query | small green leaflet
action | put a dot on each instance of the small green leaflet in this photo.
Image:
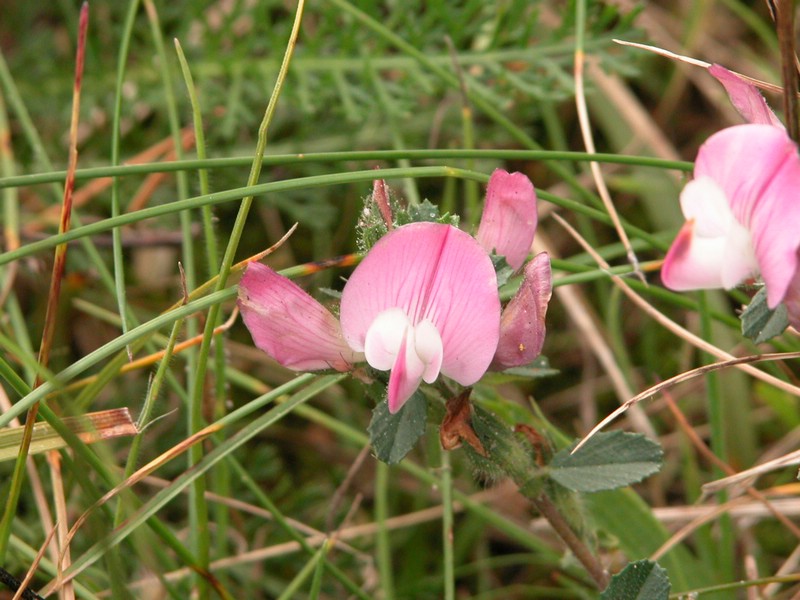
(640, 580)
(759, 322)
(393, 436)
(608, 461)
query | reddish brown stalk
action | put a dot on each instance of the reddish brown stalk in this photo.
(58, 271)
(784, 18)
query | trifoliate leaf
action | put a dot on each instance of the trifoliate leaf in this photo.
(640, 580)
(607, 461)
(759, 322)
(393, 436)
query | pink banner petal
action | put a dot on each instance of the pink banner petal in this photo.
(758, 168)
(289, 325)
(522, 327)
(430, 271)
(509, 217)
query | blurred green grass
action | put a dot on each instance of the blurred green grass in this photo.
(355, 87)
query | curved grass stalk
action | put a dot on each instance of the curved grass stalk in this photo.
(198, 513)
(50, 176)
(112, 347)
(53, 298)
(588, 138)
(116, 233)
(294, 184)
(184, 480)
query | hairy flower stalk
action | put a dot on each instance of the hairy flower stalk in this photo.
(422, 303)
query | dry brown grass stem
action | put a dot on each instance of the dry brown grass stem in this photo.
(770, 87)
(712, 513)
(597, 175)
(150, 359)
(257, 511)
(672, 326)
(789, 566)
(34, 565)
(686, 376)
(39, 497)
(348, 533)
(140, 474)
(722, 465)
(62, 519)
(338, 495)
(793, 458)
(638, 118)
(581, 316)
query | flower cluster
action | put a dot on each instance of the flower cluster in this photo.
(423, 302)
(742, 208)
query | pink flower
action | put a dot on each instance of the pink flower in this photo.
(743, 214)
(423, 302)
(509, 217)
(290, 325)
(522, 326)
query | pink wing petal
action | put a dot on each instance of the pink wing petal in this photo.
(509, 217)
(704, 202)
(430, 271)
(745, 97)
(290, 325)
(758, 168)
(693, 262)
(522, 327)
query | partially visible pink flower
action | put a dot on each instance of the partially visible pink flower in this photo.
(290, 325)
(509, 217)
(745, 97)
(522, 327)
(423, 301)
(743, 215)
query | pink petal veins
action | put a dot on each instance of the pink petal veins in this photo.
(289, 325)
(522, 324)
(431, 272)
(509, 217)
(745, 97)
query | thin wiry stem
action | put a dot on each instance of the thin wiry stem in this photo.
(54, 295)
(785, 17)
(588, 139)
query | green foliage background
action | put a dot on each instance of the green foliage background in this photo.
(365, 78)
